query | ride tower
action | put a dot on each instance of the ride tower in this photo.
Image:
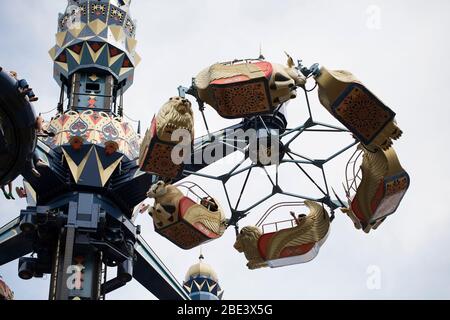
(80, 213)
(94, 59)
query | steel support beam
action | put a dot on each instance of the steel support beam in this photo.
(151, 272)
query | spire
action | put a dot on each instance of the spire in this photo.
(201, 281)
(261, 56)
(201, 257)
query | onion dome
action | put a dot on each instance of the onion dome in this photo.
(201, 269)
(201, 282)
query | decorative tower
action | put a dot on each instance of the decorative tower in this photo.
(95, 53)
(81, 172)
(94, 60)
(202, 282)
(89, 159)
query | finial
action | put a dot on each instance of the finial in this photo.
(201, 257)
(261, 56)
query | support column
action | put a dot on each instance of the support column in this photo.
(77, 264)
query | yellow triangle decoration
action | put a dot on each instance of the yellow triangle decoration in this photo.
(117, 32)
(86, 38)
(124, 70)
(76, 56)
(188, 288)
(137, 59)
(211, 288)
(74, 169)
(94, 54)
(131, 44)
(60, 36)
(97, 26)
(52, 53)
(77, 171)
(63, 65)
(76, 31)
(105, 173)
(199, 285)
(112, 60)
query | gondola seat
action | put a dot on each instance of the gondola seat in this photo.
(286, 247)
(358, 109)
(247, 88)
(157, 146)
(182, 220)
(194, 226)
(383, 185)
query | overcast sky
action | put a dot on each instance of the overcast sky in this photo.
(399, 49)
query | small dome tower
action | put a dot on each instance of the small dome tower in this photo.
(202, 282)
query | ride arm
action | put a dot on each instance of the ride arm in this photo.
(151, 272)
(13, 242)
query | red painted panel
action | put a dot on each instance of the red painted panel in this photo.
(263, 242)
(297, 250)
(184, 205)
(265, 67)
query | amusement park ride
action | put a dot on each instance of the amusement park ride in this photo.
(87, 172)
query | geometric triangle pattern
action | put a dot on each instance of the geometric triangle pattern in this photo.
(201, 288)
(60, 37)
(107, 166)
(77, 168)
(108, 161)
(74, 32)
(106, 23)
(77, 156)
(90, 174)
(86, 34)
(97, 26)
(117, 32)
(90, 166)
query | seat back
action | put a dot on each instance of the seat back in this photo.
(184, 205)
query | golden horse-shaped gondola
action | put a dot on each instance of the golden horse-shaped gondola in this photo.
(181, 220)
(383, 184)
(350, 102)
(296, 245)
(247, 88)
(157, 146)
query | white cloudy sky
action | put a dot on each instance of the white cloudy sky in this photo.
(404, 61)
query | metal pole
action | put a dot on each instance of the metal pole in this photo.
(55, 269)
(77, 269)
(62, 292)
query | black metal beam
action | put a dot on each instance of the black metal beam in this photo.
(13, 242)
(151, 272)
